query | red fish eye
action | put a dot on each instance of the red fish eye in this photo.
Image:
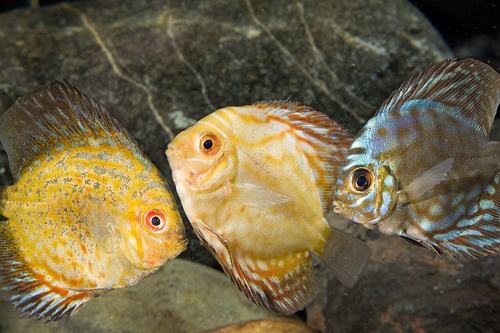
(155, 221)
(209, 144)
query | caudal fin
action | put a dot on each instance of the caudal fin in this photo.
(345, 255)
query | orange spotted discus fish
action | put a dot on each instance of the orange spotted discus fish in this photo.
(255, 182)
(423, 168)
(88, 212)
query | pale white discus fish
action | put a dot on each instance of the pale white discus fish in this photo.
(255, 182)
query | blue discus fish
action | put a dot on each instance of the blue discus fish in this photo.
(423, 168)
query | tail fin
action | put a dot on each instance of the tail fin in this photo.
(345, 255)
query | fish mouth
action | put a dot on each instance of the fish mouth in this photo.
(170, 152)
(174, 157)
(338, 207)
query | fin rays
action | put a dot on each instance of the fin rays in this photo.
(477, 233)
(468, 87)
(54, 117)
(19, 285)
(328, 140)
(285, 285)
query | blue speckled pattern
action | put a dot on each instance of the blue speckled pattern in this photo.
(433, 174)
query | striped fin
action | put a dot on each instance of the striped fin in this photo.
(477, 231)
(285, 285)
(328, 140)
(29, 291)
(58, 116)
(468, 87)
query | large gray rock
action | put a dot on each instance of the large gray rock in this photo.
(182, 297)
(160, 66)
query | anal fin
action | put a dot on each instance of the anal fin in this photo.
(283, 284)
(345, 255)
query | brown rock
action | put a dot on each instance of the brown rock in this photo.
(183, 296)
(274, 325)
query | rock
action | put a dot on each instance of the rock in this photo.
(182, 297)
(274, 325)
(406, 288)
(159, 66)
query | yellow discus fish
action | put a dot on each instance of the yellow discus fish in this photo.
(88, 212)
(255, 182)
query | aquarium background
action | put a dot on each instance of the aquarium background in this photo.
(404, 288)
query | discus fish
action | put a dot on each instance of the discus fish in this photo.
(255, 182)
(88, 212)
(423, 168)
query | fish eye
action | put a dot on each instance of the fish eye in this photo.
(155, 221)
(361, 180)
(209, 144)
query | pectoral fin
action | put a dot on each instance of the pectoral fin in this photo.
(345, 255)
(257, 196)
(426, 181)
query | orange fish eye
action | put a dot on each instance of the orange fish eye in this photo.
(209, 144)
(361, 180)
(155, 221)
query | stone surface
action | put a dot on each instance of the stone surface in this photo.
(159, 66)
(182, 297)
(274, 325)
(406, 288)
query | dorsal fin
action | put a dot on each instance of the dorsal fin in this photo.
(31, 127)
(328, 140)
(470, 87)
